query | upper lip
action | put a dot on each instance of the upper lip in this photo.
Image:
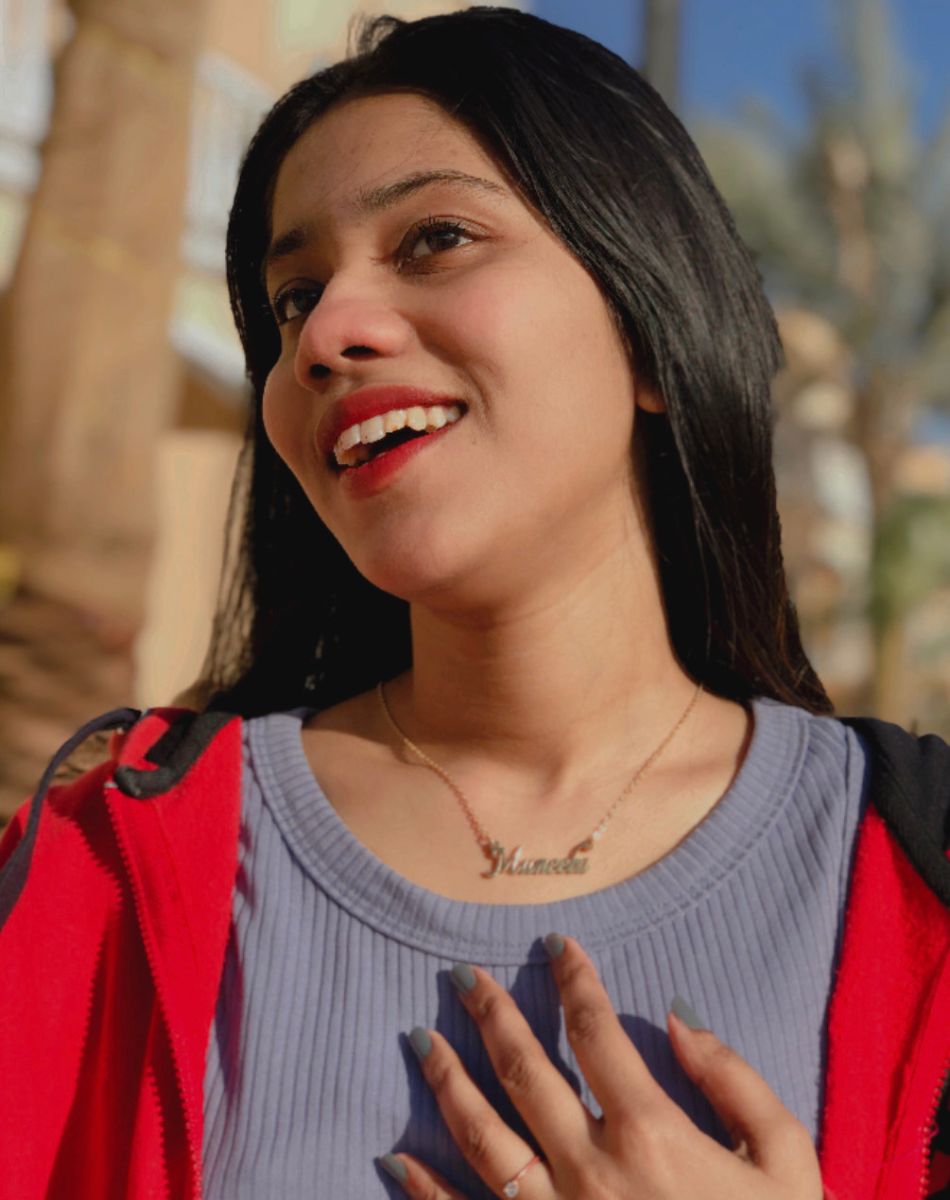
(371, 402)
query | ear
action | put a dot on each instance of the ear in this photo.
(650, 400)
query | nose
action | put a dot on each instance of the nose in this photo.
(346, 327)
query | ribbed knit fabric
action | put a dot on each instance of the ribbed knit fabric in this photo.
(334, 957)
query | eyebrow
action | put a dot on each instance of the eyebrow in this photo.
(377, 200)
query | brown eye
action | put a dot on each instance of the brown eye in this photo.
(295, 302)
(437, 233)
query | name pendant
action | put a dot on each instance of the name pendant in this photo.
(514, 863)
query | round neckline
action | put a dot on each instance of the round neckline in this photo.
(500, 934)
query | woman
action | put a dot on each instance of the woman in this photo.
(512, 651)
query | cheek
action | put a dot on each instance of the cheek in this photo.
(510, 334)
(502, 313)
(281, 418)
(546, 344)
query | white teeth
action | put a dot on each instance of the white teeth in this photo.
(395, 420)
(351, 445)
(372, 430)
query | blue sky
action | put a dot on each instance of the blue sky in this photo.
(736, 48)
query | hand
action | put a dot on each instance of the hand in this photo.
(644, 1147)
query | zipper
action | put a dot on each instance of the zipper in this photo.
(930, 1126)
(151, 956)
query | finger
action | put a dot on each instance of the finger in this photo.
(611, 1064)
(490, 1146)
(551, 1108)
(760, 1125)
(418, 1180)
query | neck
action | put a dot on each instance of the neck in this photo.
(570, 685)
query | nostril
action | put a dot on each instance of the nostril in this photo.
(318, 371)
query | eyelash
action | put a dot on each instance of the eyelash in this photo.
(430, 226)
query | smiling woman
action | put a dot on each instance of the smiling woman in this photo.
(504, 646)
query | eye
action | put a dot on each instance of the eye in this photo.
(295, 301)
(299, 299)
(433, 230)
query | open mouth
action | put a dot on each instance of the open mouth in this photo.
(392, 440)
(362, 453)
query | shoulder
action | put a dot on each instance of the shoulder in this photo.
(825, 758)
(852, 765)
(149, 753)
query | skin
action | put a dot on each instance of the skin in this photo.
(543, 674)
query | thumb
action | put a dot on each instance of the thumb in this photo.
(762, 1129)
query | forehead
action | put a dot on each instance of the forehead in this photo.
(361, 144)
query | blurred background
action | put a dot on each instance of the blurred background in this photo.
(122, 123)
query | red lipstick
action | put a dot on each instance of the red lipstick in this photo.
(371, 477)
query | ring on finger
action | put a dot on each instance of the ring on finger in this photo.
(512, 1187)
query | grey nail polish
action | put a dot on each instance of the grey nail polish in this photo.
(420, 1042)
(685, 1012)
(394, 1166)
(463, 977)
(554, 944)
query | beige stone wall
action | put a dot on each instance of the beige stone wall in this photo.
(194, 469)
(89, 379)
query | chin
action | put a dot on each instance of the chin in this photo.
(413, 573)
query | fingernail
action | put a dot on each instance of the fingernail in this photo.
(463, 977)
(554, 944)
(395, 1166)
(684, 1010)
(420, 1042)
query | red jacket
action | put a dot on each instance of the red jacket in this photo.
(115, 902)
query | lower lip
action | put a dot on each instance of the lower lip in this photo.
(371, 477)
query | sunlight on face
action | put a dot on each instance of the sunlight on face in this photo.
(494, 311)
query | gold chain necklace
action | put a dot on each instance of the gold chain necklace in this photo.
(513, 863)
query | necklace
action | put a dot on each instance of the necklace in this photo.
(514, 863)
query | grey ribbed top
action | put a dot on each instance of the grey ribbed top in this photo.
(333, 957)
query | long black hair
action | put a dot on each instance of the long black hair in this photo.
(596, 150)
